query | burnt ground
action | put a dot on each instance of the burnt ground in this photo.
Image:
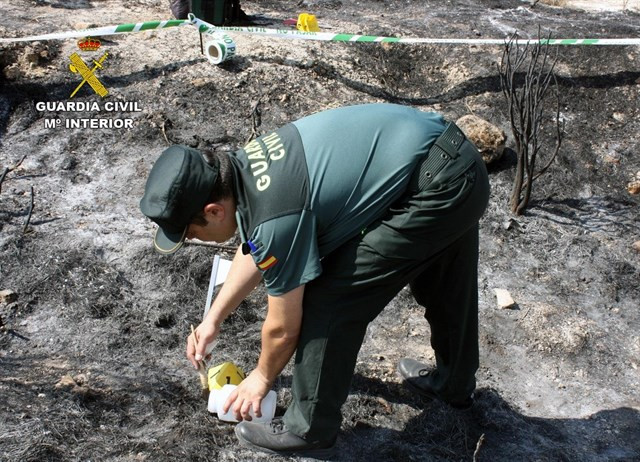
(91, 351)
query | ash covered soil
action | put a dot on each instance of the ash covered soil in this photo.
(92, 362)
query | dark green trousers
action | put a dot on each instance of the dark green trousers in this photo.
(428, 239)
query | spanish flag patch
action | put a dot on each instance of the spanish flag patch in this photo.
(267, 263)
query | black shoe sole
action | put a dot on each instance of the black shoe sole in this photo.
(318, 453)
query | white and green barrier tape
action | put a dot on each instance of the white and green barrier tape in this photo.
(102, 31)
(205, 27)
(218, 46)
(341, 37)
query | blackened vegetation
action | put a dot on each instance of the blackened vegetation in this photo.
(127, 396)
(526, 72)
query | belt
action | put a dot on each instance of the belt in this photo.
(446, 149)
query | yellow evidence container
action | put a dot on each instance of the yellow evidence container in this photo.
(226, 373)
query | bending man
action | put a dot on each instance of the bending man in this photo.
(337, 212)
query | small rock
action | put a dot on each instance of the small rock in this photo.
(385, 404)
(8, 296)
(76, 385)
(504, 299)
(620, 117)
(586, 192)
(488, 138)
(634, 187)
(82, 390)
(636, 246)
(12, 72)
(66, 382)
(612, 158)
(199, 82)
(68, 163)
(511, 224)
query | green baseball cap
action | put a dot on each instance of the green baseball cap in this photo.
(178, 187)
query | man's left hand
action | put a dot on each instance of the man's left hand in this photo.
(249, 394)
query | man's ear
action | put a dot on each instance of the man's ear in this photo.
(216, 210)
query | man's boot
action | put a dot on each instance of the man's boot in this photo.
(419, 378)
(274, 437)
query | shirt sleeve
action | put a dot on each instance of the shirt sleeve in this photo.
(286, 251)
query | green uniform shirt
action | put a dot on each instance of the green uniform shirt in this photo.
(307, 188)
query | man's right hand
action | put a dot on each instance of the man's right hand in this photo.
(199, 347)
(243, 277)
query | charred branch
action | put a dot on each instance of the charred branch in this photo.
(526, 74)
(10, 169)
(29, 213)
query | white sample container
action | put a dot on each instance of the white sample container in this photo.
(217, 398)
